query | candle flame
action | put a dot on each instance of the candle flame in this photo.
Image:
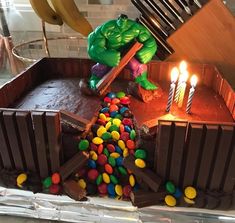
(184, 76)
(174, 74)
(193, 80)
(183, 66)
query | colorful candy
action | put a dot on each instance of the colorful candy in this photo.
(55, 178)
(118, 190)
(83, 144)
(170, 200)
(82, 183)
(170, 187)
(140, 153)
(140, 163)
(21, 179)
(190, 192)
(97, 140)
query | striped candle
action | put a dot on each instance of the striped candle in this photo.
(182, 88)
(174, 76)
(191, 93)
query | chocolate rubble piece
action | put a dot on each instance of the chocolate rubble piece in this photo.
(75, 163)
(142, 184)
(225, 202)
(148, 176)
(146, 96)
(73, 190)
(142, 198)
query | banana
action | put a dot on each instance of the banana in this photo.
(45, 12)
(70, 14)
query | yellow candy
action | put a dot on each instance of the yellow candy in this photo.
(21, 179)
(97, 140)
(108, 119)
(100, 131)
(102, 116)
(121, 144)
(140, 163)
(115, 155)
(170, 200)
(132, 180)
(115, 135)
(125, 152)
(190, 192)
(106, 178)
(93, 155)
(117, 122)
(107, 126)
(118, 190)
(187, 200)
(82, 183)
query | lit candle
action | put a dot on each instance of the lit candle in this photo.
(174, 77)
(182, 68)
(193, 82)
(182, 89)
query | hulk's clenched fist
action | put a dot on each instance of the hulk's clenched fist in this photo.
(108, 41)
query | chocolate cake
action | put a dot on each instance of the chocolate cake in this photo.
(50, 120)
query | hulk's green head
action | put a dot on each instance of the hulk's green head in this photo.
(122, 21)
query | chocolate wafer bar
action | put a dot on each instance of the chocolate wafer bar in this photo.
(73, 190)
(148, 176)
(75, 163)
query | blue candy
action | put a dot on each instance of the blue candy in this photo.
(127, 128)
(104, 110)
(119, 161)
(111, 95)
(178, 193)
(91, 164)
(118, 150)
(113, 114)
(123, 109)
(111, 189)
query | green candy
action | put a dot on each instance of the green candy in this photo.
(122, 170)
(140, 154)
(120, 94)
(106, 136)
(83, 144)
(113, 128)
(132, 134)
(113, 179)
(119, 116)
(47, 182)
(112, 161)
(170, 187)
(99, 179)
(106, 152)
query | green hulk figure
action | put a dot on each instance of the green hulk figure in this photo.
(107, 42)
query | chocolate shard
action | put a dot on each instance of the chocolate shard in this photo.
(73, 190)
(148, 176)
(141, 198)
(75, 163)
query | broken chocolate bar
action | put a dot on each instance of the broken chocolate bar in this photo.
(73, 190)
(75, 163)
(142, 198)
(148, 176)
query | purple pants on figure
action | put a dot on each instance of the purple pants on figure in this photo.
(133, 65)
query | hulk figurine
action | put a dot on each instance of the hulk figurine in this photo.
(108, 41)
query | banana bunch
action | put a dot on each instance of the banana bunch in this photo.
(65, 10)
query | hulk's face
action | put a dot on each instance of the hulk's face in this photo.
(121, 22)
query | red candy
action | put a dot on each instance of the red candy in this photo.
(108, 168)
(107, 114)
(93, 146)
(100, 149)
(101, 122)
(82, 172)
(102, 159)
(130, 144)
(93, 174)
(55, 178)
(127, 190)
(131, 151)
(111, 148)
(125, 100)
(54, 189)
(125, 136)
(127, 121)
(107, 99)
(102, 188)
(113, 108)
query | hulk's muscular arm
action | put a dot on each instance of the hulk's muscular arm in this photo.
(97, 49)
(145, 54)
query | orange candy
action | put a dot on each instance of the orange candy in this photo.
(55, 178)
(121, 128)
(115, 101)
(113, 108)
(100, 148)
(108, 168)
(130, 144)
